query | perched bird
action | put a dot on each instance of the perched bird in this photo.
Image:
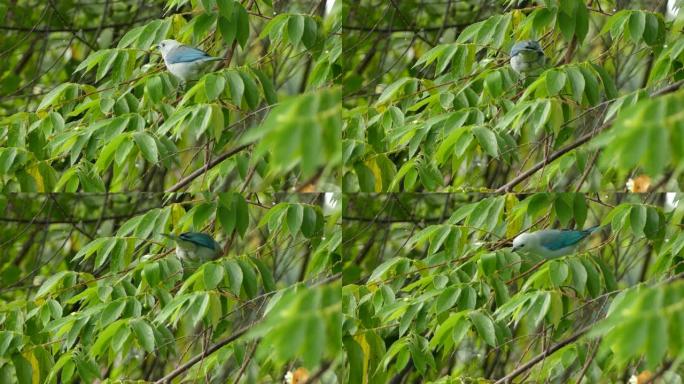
(527, 57)
(551, 243)
(195, 247)
(183, 61)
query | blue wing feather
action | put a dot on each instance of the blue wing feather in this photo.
(200, 239)
(185, 54)
(567, 238)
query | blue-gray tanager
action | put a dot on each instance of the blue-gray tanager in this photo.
(551, 243)
(195, 247)
(183, 61)
(527, 57)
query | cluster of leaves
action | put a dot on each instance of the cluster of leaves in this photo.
(434, 105)
(121, 305)
(128, 125)
(434, 292)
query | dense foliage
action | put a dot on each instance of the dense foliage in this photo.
(364, 167)
(107, 116)
(432, 104)
(91, 290)
(433, 294)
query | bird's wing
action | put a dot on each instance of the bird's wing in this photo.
(200, 239)
(185, 54)
(555, 240)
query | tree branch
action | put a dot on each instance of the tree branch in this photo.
(397, 30)
(67, 29)
(532, 362)
(214, 162)
(209, 351)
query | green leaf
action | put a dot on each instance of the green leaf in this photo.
(365, 177)
(112, 311)
(295, 216)
(637, 24)
(392, 89)
(652, 226)
(234, 274)
(104, 337)
(51, 283)
(23, 369)
(199, 307)
(152, 274)
(355, 357)
(266, 274)
(447, 299)
(651, 29)
(241, 214)
(309, 220)
(295, 28)
(577, 82)
(310, 32)
(487, 140)
(314, 341)
(249, 282)
(251, 91)
(228, 29)
(213, 274)
(237, 87)
(154, 89)
(267, 85)
(147, 146)
(579, 274)
(120, 338)
(566, 22)
(144, 334)
(484, 326)
(558, 272)
(657, 341)
(107, 153)
(555, 81)
(87, 369)
(581, 21)
(226, 8)
(242, 21)
(563, 210)
(637, 219)
(213, 86)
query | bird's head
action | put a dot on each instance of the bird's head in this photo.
(526, 47)
(167, 45)
(522, 242)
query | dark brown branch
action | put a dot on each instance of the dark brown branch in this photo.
(62, 221)
(517, 180)
(397, 30)
(532, 362)
(214, 162)
(390, 221)
(207, 352)
(67, 29)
